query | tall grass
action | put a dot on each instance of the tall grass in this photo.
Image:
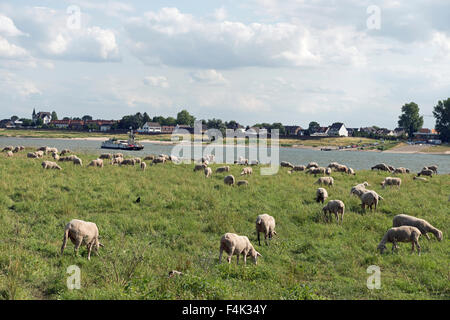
(178, 224)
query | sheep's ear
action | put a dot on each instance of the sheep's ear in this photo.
(258, 254)
(275, 233)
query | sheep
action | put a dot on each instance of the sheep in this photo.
(143, 166)
(381, 166)
(433, 168)
(321, 195)
(9, 154)
(149, 157)
(129, 162)
(32, 155)
(328, 171)
(117, 160)
(105, 156)
(39, 154)
(21, 148)
(265, 224)
(8, 148)
(316, 170)
(312, 165)
(426, 172)
(233, 244)
(334, 206)
(50, 165)
(174, 159)
(208, 172)
(342, 168)
(55, 156)
(420, 178)
(286, 164)
(77, 161)
(242, 183)
(359, 189)
(229, 180)
(401, 170)
(325, 180)
(82, 232)
(16, 149)
(158, 160)
(164, 156)
(254, 162)
(199, 167)
(242, 161)
(52, 150)
(64, 151)
(223, 169)
(400, 234)
(333, 165)
(247, 171)
(96, 163)
(138, 160)
(174, 273)
(421, 224)
(369, 198)
(389, 181)
(391, 168)
(45, 149)
(118, 155)
(299, 168)
(351, 171)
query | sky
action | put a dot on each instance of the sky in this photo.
(254, 61)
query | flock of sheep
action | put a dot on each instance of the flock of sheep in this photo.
(405, 228)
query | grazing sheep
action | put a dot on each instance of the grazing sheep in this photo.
(333, 165)
(334, 206)
(128, 162)
(266, 225)
(433, 168)
(9, 154)
(149, 157)
(401, 170)
(359, 189)
(223, 169)
(138, 160)
(118, 155)
(312, 165)
(242, 161)
(16, 149)
(299, 168)
(22, 148)
(389, 181)
(117, 160)
(8, 148)
(96, 163)
(325, 180)
(55, 156)
(43, 149)
(32, 155)
(39, 154)
(321, 195)
(328, 171)
(242, 183)
(381, 166)
(316, 170)
(421, 224)
(50, 165)
(351, 171)
(81, 232)
(105, 156)
(426, 172)
(174, 159)
(77, 161)
(158, 160)
(369, 198)
(199, 167)
(64, 151)
(229, 180)
(208, 172)
(233, 244)
(286, 164)
(342, 168)
(420, 178)
(143, 165)
(52, 150)
(247, 171)
(400, 234)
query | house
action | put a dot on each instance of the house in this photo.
(60, 124)
(426, 134)
(293, 130)
(183, 127)
(338, 129)
(368, 130)
(76, 124)
(167, 129)
(106, 125)
(352, 131)
(321, 132)
(45, 116)
(399, 131)
(385, 132)
(150, 127)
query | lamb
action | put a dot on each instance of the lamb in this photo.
(96, 163)
(369, 198)
(389, 181)
(229, 180)
(208, 172)
(426, 172)
(286, 164)
(247, 171)
(325, 180)
(16, 149)
(400, 234)
(174, 273)
(143, 166)
(199, 167)
(312, 165)
(381, 166)
(138, 160)
(233, 244)
(77, 161)
(242, 183)
(105, 156)
(82, 232)
(421, 224)
(50, 165)
(174, 159)
(265, 224)
(321, 195)
(334, 206)
(223, 169)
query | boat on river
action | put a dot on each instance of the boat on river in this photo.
(130, 144)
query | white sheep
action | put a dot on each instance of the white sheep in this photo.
(32, 155)
(286, 164)
(400, 234)
(389, 181)
(236, 245)
(82, 232)
(55, 156)
(96, 163)
(325, 180)
(50, 165)
(223, 169)
(9, 154)
(143, 165)
(105, 156)
(130, 162)
(208, 172)
(229, 180)
(334, 206)
(64, 151)
(247, 171)
(299, 168)
(312, 165)
(321, 195)
(421, 224)
(369, 198)
(200, 167)
(77, 161)
(265, 224)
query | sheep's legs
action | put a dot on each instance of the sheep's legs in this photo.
(426, 236)
(265, 239)
(64, 242)
(77, 245)
(259, 241)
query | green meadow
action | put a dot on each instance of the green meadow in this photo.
(179, 222)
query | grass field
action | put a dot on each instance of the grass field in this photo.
(180, 220)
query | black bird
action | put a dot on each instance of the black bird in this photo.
(138, 200)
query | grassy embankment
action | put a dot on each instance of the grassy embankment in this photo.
(178, 225)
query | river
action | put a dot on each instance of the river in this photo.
(358, 160)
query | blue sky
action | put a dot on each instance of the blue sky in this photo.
(251, 61)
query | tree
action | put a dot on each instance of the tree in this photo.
(410, 119)
(183, 117)
(279, 126)
(54, 115)
(86, 117)
(39, 122)
(146, 118)
(442, 114)
(14, 118)
(313, 127)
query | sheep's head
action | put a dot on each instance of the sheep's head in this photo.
(439, 235)
(381, 247)
(254, 254)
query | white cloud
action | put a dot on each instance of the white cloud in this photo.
(12, 84)
(220, 14)
(156, 81)
(11, 51)
(210, 76)
(8, 28)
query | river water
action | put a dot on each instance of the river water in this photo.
(358, 160)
